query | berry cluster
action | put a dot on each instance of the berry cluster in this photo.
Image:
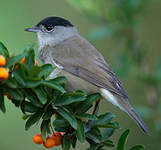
(23, 61)
(3, 71)
(54, 139)
(4, 74)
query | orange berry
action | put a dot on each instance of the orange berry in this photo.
(3, 73)
(38, 139)
(57, 137)
(49, 143)
(22, 60)
(2, 60)
(36, 63)
(9, 97)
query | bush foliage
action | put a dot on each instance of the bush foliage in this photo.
(46, 101)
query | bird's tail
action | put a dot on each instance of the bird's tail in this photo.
(124, 105)
(133, 114)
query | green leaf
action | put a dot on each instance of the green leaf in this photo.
(51, 94)
(32, 98)
(68, 116)
(69, 98)
(113, 125)
(108, 143)
(19, 75)
(2, 105)
(122, 140)
(28, 107)
(94, 146)
(60, 80)
(22, 106)
(30, 58)
(15, 60)
(3, 50)
(53, 85)
(33, 119)
(80, 132)
(41, 94)
(107, 133)
(11, 82)
(15, 94)
(35, 71)
(48, 114)
(95, 135)
(45, 128)
(32, 82)
(66, 143)
(137, 147)
(74, 141)
(58, 123)
(46, 70)
(103, 119)
(87, 104)
(86, 116)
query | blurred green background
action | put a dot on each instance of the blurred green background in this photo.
(17, 15)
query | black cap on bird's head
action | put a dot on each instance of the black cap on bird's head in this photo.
(49, 23)
(55, 21)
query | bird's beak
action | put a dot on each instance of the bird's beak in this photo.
(33, 29)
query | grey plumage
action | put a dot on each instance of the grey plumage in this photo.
(81, 59)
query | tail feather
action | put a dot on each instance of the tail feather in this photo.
(124, 105)
(133, 114)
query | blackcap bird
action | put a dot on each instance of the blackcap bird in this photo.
(86, 69)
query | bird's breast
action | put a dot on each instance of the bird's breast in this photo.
(74, 82)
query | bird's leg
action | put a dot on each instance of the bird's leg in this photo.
(95, 110)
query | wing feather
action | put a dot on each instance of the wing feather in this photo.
(80, 58)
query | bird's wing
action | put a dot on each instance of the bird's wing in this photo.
(77, 56)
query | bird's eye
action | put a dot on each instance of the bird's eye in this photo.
(49, 28)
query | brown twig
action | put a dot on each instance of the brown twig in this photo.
(89, 123)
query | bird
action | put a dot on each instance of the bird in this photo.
(86, 69)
